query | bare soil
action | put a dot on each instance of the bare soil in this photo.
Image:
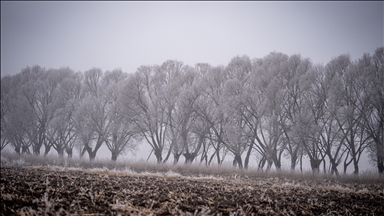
(49, 191)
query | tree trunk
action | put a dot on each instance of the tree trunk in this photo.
(294, 157)
(334, 170)
(92, 155)
(36, 149)
(168, 155)
(380, 164)
(47, 149)
(69, 152)
(324, 167)
(204, 157)
(277, 160)
(269, 165)
(85, 149)
(315, 164)
(293, 162)
(60, 152)
(246, 161)
(346, 164)
(158, 155)
(237, 161)
(36, 146)
(17, 150)
(218, 155)
(356, 166)
(211, 158)
(25, 150)
(277, 164)
(301, 163)
(189, 157)
(262, 163)
(176, 158)
(115, 154)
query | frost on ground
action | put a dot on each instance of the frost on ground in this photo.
(68, 191)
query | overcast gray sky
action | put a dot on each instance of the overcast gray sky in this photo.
(126, 35)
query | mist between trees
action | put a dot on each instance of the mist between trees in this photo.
(276, 106)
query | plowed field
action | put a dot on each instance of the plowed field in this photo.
(53, 191)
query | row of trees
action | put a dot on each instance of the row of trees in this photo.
(277, 106)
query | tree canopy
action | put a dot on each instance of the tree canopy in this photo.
(260, 109)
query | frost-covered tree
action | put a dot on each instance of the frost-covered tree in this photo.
(208, 110)
(315, 109)
(51, 102)
(91, 116)
(349, 108)
(32, 93)
(338, 109)
(70, 92)
(5, 102)
(16, 117)
(372, 68)
(60, 133)
(235, 127)
(121, 133)
(201, 92)
(271, 89)
(171, 72)
(272, 106)
(297, 80)
(144, 101)
(184, 121)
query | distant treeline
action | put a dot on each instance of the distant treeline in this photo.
(259, 109)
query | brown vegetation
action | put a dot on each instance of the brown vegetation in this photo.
(49, 190)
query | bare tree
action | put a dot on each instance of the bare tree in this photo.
(91, 117)
(69, 91)
(121, 133)
(144, 99)
(372, 70)
(16, 117)
(5, 102)
(316, 137)
(270, 87)
(51, 97)
(332, 140)
(234, 127)
(275, 106)
(297, 80)
(191, 129)
(348, 111)
(208, 110)
(231, 108)
(36, 100)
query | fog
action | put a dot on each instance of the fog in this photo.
(126, 35)
(123, 36)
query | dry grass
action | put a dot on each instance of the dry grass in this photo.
(36, 185)
(50, 190)
(196, 170)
